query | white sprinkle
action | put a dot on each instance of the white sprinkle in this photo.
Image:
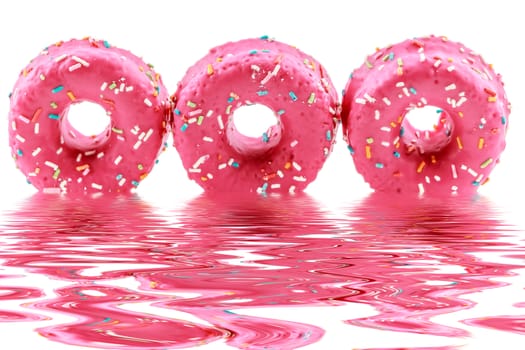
(221, 166)
(255, 67)
(296, 166)
(13, 125)
(100, 155)
(361, 101)
(51, 165)
(137, 144)
(451, 68)
(122, 181)
(135, 130)
(274, 186)
(60, 58)
(207, 139)
(36, 151)
(79, 157)
(294, 143)
(51, 190)
(90, 153)
(80, 60)
(331, 110)
(148, 134)
(118, 159)
(422, 57)
(450, 87)
(386, 101)
(280, 174)
(36, 128)
(405, 91)
(377, 114)
(230, 161)
(194, 112)
(479, 178)
(24, 119)
(437, 178)
(148, 102)
(267, 78)
(219, 120)
(427, 179)
(454, 188)
(437, 63)
(59, 150)
(276, 69)
(454, 172)
(386, 129)
(385, 144)
(400, 84)
(291, 189)
(85, 172)
(421, 188)
(463, 167)
(103, 86)
(20, 138)
(462, 100)
(74, 67)
(96, 186)
(192, 120)
(129, 88)
(191, 170)
(201, 161)
(472, 172)
(209, 114)
(299, 178)
(424, 100)
(141, 136)
(369, 98)
(209, 176)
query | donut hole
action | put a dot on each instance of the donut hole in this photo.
(426, 129)
(85, 126)
(253, 129)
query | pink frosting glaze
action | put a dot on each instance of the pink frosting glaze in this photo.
(255, 71)
(458, 156)
(53, 155)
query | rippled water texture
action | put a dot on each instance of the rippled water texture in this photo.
(265, 273)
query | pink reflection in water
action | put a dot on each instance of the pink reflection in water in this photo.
(409, 260)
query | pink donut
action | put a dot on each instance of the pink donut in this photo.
(54, 156)
(455, 157)
(285, 158)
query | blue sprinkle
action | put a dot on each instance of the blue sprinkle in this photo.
(119, 177)
(19, 152)
(280, 112)
(184, 127)
(229, 312)
(231, 99)
(475, 183)
(262, 92)
(265, 51)
(106, 44)
(265, 137)
(350, 149)
(391, 56)
(439, 111)
(253, 52)
(264, 186)
(401, 131)
(177, 111)
(328, 135)
(235, 164)
(54, 116)
(503, 120)
(57, 89)
(293, 96)
(264, 37)
(396, 154)
(413, 91)
(134, 183)
(380, 165)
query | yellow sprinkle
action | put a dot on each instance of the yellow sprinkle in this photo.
(71, 96)
(421, 166)
(485, 163)
(460, 114)
(210, 69)
(458, 140)
(153, 284)
(481, 142)
(399, 70)
(491, 99)
(368, 152)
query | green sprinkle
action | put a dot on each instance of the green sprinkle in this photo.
(380, 165)
(503, 120)
(112, 85)
(265, 51)
(106, 44)
(140, 166)
(350, 149)
(265, 137)
(184, 127)
(191, 104)
(53, 116)
(397, 154)
(262, 92)
(231, 99)
(413, 91)
(235, 165)
(311, 99)
(134, 183)
(56, 173)
(369, 140)
(439, 111)
(253, 52)
(401, 131)
(57, 89)
(264, 187)
(264, 37)
(280, 112)
(200, 119)
(476, 183)
(391, 56)
(485, 163)
(328, 135)
(19, 152)
(119, 177)
(53, 105)
(293, 96)
(177, 111)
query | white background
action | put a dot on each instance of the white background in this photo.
(174, 34)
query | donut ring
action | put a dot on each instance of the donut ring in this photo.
(459, 154)
(288, 156)
(54, 156)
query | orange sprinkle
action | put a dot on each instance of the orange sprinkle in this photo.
(393, 124)
(400, 119)
(36, 115)
(485, 181)
(481, 142)
(288, 165)
(433, 159)
(368, 152)
(210, 69)
(82, 167)
(143, 176)
(458, 140)
(204, 178)
(71, 96)
(460, 114)
(421, 166)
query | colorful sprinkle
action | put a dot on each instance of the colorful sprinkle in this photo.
(209, 69)
(421, 166)
(262, 92)
(57, 89)
(184, 127)
(191, 104)
(485, 163)
(481, 142)
(293, 96)
(54, 116)
(368, 152)
(311, 99)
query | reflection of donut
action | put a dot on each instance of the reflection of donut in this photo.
(459, 154)
(255, 71)
(55, 156)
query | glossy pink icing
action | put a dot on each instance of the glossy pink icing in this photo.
(430, 71)
(52, 154)
(255, 71)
